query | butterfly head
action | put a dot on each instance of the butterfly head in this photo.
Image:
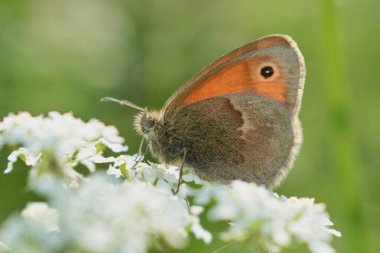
(146, 122)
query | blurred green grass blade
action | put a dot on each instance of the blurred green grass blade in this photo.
(4, 248)
(340, 144)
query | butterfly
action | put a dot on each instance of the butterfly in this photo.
(237, 119)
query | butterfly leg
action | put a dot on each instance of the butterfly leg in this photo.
(180, 171)
(141, 154)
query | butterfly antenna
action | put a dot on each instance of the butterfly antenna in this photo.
(122, 102)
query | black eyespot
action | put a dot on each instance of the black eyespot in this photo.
(267, 72)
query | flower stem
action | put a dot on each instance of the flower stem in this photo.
(343, 158)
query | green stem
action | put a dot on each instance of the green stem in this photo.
(343, 155)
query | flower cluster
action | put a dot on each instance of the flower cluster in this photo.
(63, 139)
(132, 208)
(102, 215)
(273, 222)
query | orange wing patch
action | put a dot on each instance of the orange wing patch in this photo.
(240, 77)
(239, 72)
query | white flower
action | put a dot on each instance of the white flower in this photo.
(41, 214)
(30, 158)
(198, 231)
(154, 174)
(114, 172)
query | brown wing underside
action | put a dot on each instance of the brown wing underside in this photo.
(240, 136)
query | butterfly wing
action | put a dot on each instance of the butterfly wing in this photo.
(238, 118)
(240, 71)
(237, 136)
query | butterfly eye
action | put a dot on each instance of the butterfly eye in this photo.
(266, 72)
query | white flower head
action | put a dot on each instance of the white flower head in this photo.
(276, 221)
(41, 214)
(59, 137)
(103, 215)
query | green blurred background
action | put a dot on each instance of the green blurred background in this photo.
(66, 54)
